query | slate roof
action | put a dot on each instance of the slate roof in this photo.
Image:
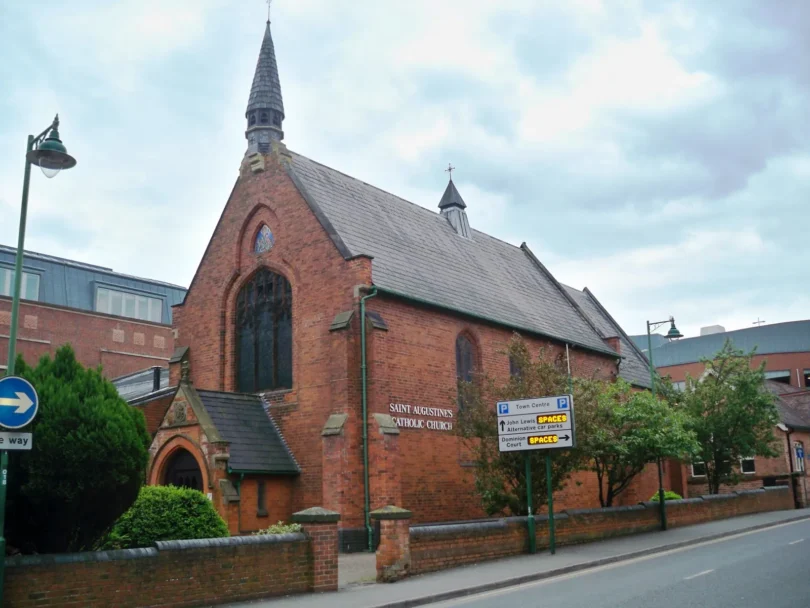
(73, 284)
(418, 255)
(266, 90)
(256, 444)
(141, 383)
(794, 409)
(634, 366)
(790, 337)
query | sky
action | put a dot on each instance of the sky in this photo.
(655, 152)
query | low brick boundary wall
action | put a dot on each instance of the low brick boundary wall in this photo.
(436, 547)
(181, 573)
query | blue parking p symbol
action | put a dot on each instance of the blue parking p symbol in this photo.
(562, 403)
(503, 408)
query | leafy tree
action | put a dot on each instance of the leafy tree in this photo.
(732, 414)
(88, 460)
(500, 478)
(627, 430)
(167, 513)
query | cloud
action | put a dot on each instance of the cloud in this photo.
(652, 151)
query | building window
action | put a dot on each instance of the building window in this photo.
(263, 118)
(30, 284)
(679, 386)
(779, 376)
(132, 305)
(252, 119)
(798, 456)
(514, 369)
(748, 466)
(264, 333)
(698, 469)
(807, 378)
(264, 240)
(261, 499)
(465, 363)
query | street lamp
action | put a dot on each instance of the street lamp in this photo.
(47, 152)
(672, 334)
(50, 155)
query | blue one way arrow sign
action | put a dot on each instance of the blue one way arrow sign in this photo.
(18, 402)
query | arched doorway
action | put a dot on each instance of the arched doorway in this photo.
(182, 470)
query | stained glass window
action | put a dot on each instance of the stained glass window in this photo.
(264, 240)
(264, 333)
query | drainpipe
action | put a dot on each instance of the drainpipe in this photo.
(363, 373)
(239, 509)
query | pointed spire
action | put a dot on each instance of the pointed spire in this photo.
(453, 208)
(265, 109)
(451, 197)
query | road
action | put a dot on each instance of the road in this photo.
(769, 568)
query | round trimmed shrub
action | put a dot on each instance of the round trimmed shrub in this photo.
(166, 513)
(668, 495)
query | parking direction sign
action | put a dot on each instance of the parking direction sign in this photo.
(536, 424)
(18, 402)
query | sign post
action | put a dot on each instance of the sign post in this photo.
(18, 407)
(544, 423)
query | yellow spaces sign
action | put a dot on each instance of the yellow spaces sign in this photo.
(552, 418)
(543, 439)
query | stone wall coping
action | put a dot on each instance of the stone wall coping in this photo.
(744, 492)
(719, 496)
(684, 501)
(776, 489)
(480, 527)
(231, 541)
(74, 558)
(391, 512)
(316, 515)
(606, 510)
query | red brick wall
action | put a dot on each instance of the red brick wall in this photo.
(439, 547)
(121, 346)
(322, 286)
(154, 411)
(177, 573)
(773, 362)
(414, 363)
(278, 502)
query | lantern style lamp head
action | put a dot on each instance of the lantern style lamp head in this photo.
(673, 333)
(51, 155)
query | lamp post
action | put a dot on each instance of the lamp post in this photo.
(47, 152)
(672, 334)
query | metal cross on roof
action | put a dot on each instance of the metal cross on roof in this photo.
(758, 322)
(450, 169)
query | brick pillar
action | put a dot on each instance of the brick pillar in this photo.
(320, 526)
(394, 552)
(334, 463)
(384, 461)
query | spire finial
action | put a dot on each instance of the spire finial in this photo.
(450, 169)
(269, 2)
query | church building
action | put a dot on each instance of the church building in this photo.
(320, 344)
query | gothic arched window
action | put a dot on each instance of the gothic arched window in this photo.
(264, 333)
(465, 362)
(263, 118)
(252, 119)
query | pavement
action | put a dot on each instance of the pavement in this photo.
(462, 583)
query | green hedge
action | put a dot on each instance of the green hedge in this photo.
(165, 513)
(279, 528)
(668, 495)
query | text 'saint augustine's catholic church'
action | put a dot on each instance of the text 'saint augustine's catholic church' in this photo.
(307, 270)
